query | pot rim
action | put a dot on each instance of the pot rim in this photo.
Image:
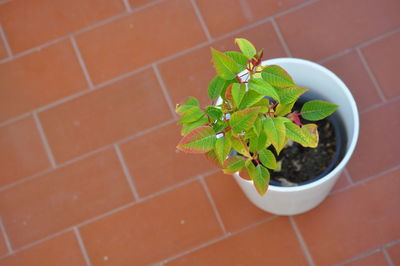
(355, 116)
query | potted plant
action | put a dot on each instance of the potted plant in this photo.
(266, 124)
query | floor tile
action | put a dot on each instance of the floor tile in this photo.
(128, 46)
(62, 250)
(352, 72)
(327, 27)
(220, 19)
(67, 196)
(374, 259)
(233, 206)
(394, 253)
(3, 51)
(3, 246)
(273, 242)
(105, 115)
(139, 3)
(341, 183)
(184, 78)
(152, 230)
(26, 23)
(22, 152)
(155, 163)
(38, 79)
(261, 9)
(383, 58)
(354, 221)
(378, 147)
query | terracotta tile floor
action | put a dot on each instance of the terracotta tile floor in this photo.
(88, 169)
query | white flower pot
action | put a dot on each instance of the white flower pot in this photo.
(324, 85)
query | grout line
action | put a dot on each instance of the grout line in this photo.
(294, 8)
(387, 257)
(213, 205)
(382, 249)
(126, 172)
(358, 257)
(367, 179)
(164, 91)
(5, 42)
(334, 56)
(378, 38)
(82, 156)
(37, 242)
(127, 6)
(201, 20)
(281, 38)
(77, 32)
(115, 210)
(303, 244)
(248, 14)
(371, 75)
(81, 62)
(377, 105)
(162, 60)
(82, 246)
(218, 239)
(6, 238)
(348, 176)
(359, 46)
(14, 119)
(122, 15)
(44, 140)
(122, 76)
(35, 49)
(26, 179)
(150, 4)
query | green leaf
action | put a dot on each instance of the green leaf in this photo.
(263, 88)
(239, 58)
(187, 127)
(216, 87)
(276, 132)
(212, 157)
(228, 93)
(249, 99)
(199, 140)
(295, 133)
(283, 109)
(244, 119)
(290, 94)
(189, 103)
(239, 146)
(258, 142)
(219, 126)
(234, 164)
(261, 178)
(267, 158)
(222, 148)
(257, 127)
(277, 76)
(312, 131)
(191, 115)
(213, 112)
(316, 110)
(238, 92)
(225, 66)
(263, 103)
(246, 47)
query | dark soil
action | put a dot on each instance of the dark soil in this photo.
(301, 164)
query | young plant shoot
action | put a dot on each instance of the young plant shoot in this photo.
(254, 116)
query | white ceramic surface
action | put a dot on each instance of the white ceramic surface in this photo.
(324, 83)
